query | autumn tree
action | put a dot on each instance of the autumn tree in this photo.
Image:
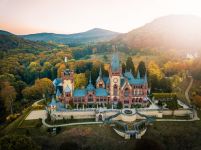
(35, 69)
(41, 87)
(61, 68)
(154, 70)
(31, 93)
(8, 94)
(45, 86)
(80, 80)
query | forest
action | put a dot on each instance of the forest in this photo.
(27, 68)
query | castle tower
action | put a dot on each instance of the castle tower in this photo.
(99, 82)
(67, 77)
(115, 78)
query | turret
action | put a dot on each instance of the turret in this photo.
(99, 82)
(90, 86)
(52, 105)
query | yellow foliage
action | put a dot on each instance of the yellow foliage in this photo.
(12, 117)
(80, 80)
(154, 70)
(61, 68)
(44, 85)
(38, 107)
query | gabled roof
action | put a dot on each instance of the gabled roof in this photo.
(67, 89)
(80, 92)
(101, 92)
(90, 87)
(53, 102)
(106, 80)
(133, 80)
(57, 82)
(98, 79)
(58, 93)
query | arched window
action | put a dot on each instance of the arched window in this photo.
(115, 90)
(126, 92)
(100, 85)
(68, 94)
(90, 98)
(115, 99)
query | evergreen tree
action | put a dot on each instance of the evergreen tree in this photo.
(142, 68)
(123, 67)
(130, 65)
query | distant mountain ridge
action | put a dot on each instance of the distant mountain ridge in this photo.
(13, 43)
(2, 32)
(168, 32)
(89, 36)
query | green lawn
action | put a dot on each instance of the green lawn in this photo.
(31, 123)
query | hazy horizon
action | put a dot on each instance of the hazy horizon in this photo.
(73, 16)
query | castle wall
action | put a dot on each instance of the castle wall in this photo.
(86, 114)
(75, 114)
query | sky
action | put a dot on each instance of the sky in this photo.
(73, 16)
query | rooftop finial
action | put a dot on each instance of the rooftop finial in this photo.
(100, 72)
(90, 78)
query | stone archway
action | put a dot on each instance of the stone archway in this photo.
(100, 117)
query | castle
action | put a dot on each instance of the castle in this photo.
(118, 88)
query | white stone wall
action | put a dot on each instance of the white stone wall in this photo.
(79, 114)
(75, 114)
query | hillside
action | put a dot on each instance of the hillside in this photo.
(12, 43)
(2, 32)
(89, 36)
(169, 32)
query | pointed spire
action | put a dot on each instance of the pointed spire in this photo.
(58, 93)
(90, 86)
(90, 78)
(100, 72)
(53, 101)
(138, 74)
(145, 77)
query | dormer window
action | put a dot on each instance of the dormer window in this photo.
(100, 85)
(90, 98)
